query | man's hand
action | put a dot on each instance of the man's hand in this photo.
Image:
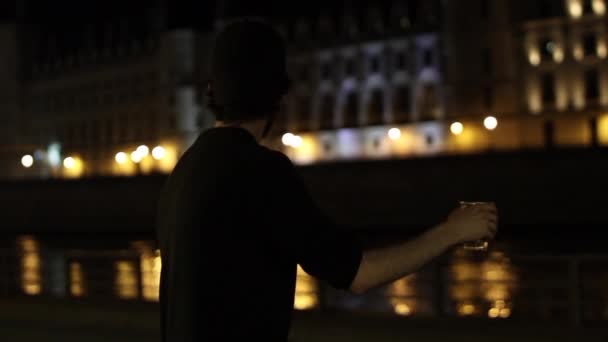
(383, 265)
(471, 223)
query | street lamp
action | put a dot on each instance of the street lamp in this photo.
(27, 161)
(456, 128)
(158, 152)
(121, 157)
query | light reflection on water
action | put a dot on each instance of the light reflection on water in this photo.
(307, 291)
(402, 295)
(77, 284)
(126, 281)
(465, 284)
(30, 265)
(150, 267)
(483, 285)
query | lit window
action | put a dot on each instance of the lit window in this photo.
(575, 8)
(599, 7)
(534, 57)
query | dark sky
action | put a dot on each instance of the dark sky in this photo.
(197, 13)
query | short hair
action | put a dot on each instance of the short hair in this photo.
(248, 71)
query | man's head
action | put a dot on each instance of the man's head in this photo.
(248, 72)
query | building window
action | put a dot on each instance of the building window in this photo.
(488, 97)
(590, 44)
(588, 6)
(303, 73)
(326, 112)
(486, 61)
(485, 4)
(548, 88)
(351, 110)
(374, 64)
(325, 71)
(427, 58)
(302, 113)
(376, 107)
(547, 47)
(350, 67)
(592, 91)
(428, 103)
(402, 104)
(400, 60)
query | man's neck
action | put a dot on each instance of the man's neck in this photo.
(255, 127)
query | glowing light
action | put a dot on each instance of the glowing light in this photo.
(490, 123)
(466, 309)
(493, 312)
(69, 163)
(150, 265)
(402, 309)
(599, 7)
(27, 161)
(304, 301)
(143, 150)
(534, 57)
(575, 8)
(158, 152)
(136, 156)
(54, 154)
(306, 297)
(126, 280)
(456, 128)
(601, 49)
(287, 139)
(505, 312)
(558, 55)
(296, 141)
(578, 52)
(76, 280)
(121, 157)
(394, 133)
(31, 278)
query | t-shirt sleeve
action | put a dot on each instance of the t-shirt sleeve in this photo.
(301, 230)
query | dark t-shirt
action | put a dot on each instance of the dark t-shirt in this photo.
(234, 220)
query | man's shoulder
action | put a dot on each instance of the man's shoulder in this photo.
(271, 156)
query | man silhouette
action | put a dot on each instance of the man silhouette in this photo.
(234, 218)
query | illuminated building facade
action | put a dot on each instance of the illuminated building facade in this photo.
(114, 97)
(387, 79)
(563, 74)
